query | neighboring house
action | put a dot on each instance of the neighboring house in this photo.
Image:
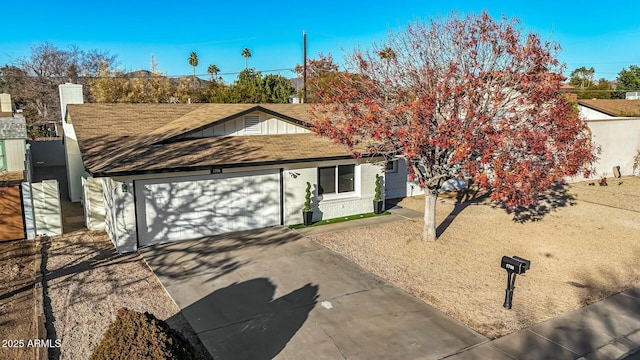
(615, 128)
(13, 137)
(600, 109)
(154, 173)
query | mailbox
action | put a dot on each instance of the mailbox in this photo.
(527, 263)
(514, 265)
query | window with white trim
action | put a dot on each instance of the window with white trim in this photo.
(336, 179)
(252, 124)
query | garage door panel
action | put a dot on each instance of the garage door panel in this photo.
(183, 209)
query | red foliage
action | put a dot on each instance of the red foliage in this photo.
(468, 96)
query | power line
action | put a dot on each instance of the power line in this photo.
(132, 75)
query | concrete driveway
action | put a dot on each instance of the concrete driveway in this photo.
(273, 293)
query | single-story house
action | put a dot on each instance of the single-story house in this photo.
(615, 128)
(154, 173)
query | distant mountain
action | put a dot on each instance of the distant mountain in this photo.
(146, 74)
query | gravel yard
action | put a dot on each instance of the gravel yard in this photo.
(583, 248)
(88, 281)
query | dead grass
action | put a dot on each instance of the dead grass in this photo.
(581, 252)
(88, 281)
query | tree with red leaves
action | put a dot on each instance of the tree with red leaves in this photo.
(459, 97)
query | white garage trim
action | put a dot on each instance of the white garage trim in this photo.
(172, 209)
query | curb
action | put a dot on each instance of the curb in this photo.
(38, 296)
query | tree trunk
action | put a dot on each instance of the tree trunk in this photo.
(429, 230)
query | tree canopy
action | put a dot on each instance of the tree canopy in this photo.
(628, 80)
(588, 88)
(461, 97)
(33, 80)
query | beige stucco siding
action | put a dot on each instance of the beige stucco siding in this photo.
(619, 141)
(14, 154)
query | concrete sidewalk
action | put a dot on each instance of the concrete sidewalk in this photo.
(608, 329)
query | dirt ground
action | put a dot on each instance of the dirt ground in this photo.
(88, 281)
(583, 243)
(17, 322)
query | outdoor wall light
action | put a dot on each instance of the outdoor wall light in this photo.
(125, 187)
(294, 174)
(514, 265)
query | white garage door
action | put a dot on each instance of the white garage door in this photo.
(174, 209)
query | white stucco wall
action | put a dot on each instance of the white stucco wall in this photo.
(71, 94)
(398, 185)
(120, 212)
(587, 113)
(619, 140)
(120, 219)
(328, 207)
(75, 170)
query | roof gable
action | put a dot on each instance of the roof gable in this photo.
(210, 115)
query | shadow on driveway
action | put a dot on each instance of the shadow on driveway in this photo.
(244, 321)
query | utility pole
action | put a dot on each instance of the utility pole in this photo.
(154, 64)
(304, 67)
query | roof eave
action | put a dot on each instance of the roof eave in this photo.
(221, 166)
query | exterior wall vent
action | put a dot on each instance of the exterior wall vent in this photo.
(252, 124)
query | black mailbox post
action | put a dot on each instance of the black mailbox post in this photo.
(514, 265)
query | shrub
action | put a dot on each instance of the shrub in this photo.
(378, 192)
(133, 335)
(307, 198)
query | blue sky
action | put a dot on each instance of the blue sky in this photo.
(603, 35)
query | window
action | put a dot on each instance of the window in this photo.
(392, 166)
(3, 157)
(328, 182)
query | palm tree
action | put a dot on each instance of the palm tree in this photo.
(387, 54)
(213, 71)
(193, 61)
(247, 54)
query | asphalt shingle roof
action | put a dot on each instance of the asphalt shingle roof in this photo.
(614, 107)
(13, 128)
(117, 139)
